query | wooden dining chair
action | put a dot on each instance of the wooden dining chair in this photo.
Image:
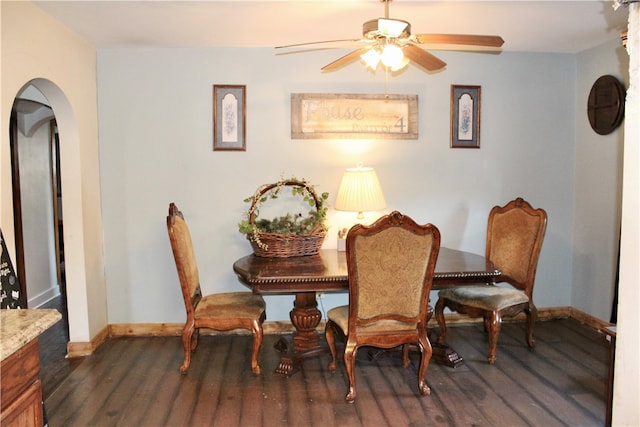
(221, 311)
(514, 239)
(390, 265)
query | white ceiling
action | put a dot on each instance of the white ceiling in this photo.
(529, 26)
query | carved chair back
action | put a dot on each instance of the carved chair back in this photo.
(391, 265)
(514, 238)
(186, 264)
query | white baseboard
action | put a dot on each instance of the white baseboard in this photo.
(43, 298)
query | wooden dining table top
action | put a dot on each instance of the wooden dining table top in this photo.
(327, 271)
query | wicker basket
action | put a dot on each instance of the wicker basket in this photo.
(273, 245)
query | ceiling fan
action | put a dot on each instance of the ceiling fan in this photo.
(389, 42)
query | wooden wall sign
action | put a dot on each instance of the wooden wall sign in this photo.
(605, 107)
(353, 116)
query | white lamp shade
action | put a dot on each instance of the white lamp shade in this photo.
(371, 58)
(360, 191)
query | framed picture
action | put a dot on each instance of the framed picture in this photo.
(353, 116)
(229, 118)
(465, 116)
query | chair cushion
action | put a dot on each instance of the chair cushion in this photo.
(231, 305)
(340, 316)
(486, 297)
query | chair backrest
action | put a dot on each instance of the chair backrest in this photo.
(391, 265)
(514, 239)
(185, 259)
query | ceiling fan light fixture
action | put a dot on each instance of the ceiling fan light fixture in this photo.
(391, 56)
(384, 27)
(403, 63)
(393, 27)
(371, 57)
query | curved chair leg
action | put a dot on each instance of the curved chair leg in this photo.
(442, 339)
(187, 343)
(330, 337)
(350, 351)
(425, 356)
(494, 323)
(257, 331)
(532, 316)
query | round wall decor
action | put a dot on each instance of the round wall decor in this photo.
(605, 107)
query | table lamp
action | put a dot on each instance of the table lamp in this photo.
(359, 192)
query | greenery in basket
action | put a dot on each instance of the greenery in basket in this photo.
(291, 223)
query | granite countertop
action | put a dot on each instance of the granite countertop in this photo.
(18, 327)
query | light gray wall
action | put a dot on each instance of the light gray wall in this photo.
(155, 121)
(598, 197)
(37, 215)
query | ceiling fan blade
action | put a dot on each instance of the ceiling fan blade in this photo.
(341, 62)
(319, 42)
(460, 39)
(423, 58)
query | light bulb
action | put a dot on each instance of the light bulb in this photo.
(391, 55)
(403, 63)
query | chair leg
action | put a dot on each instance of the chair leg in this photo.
(257, 331)
(350, 351)
(532, 316)
(405, 355)
(330, 337)
(187, 343)
(425, 356)
(442, 339)
(494, 323)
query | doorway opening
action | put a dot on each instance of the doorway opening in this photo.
(37, 201)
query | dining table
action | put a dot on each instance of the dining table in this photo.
(307, 276)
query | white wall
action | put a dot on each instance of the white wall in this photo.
(155, 110)
(598, 187)
(627, 359)
(37, 49)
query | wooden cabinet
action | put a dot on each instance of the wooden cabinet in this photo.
(20, 389)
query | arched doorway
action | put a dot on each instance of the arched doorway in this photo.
(38, 223)
(72, 206)
(37, 199)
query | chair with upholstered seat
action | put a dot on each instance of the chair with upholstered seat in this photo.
(514, 239)
(222, 311)
(390, 265)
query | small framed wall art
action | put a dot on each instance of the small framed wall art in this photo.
(229, 118)
(465, 116)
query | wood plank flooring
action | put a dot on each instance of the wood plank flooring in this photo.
(52, 345)
(134, 381)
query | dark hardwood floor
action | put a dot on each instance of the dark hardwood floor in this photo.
(135, 382)
(52, 346)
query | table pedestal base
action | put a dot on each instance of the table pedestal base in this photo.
(444, 355)
(290, 363)
(305, 317)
